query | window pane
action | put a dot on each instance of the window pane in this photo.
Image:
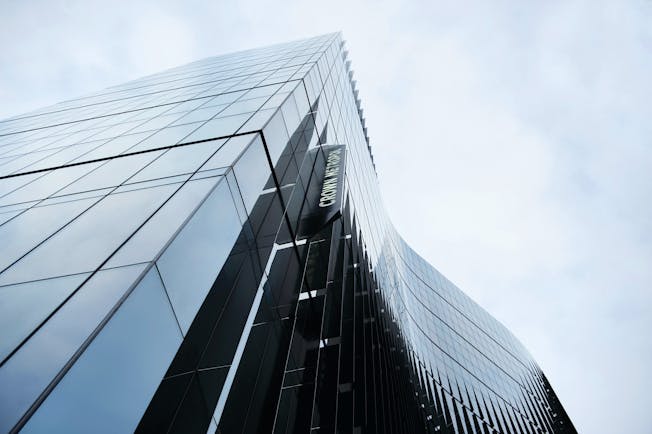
(62, 156)
(34, 225)
(252, 172)
(202, 114)
(165, 137)
(111, 173)
(8, 185)
(192, 261)
(47, 185)
(229, 152)
(184, 159)
(24, 376)
(276, 136)
(15, 164)
(26, 305)
(219, 127)
(89, 240)
(113, 147)
(150, 239)
(6, 215)
(108, 389)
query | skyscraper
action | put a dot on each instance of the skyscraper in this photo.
(206, 250)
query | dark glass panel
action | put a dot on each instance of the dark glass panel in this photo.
(193, 260)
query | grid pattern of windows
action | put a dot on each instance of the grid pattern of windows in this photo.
(151, 278)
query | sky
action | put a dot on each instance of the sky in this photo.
(513, 142)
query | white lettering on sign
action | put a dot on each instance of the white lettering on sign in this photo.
(329, 187)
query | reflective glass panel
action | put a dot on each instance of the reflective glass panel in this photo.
(26, 305)
(151, 238)
(91, 238)
(192, 261)
(108, 388)
(24, 376)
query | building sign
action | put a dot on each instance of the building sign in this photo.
(325, 191)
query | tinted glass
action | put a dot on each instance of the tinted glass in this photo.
(26, 374)
(127, 371)
(192, 261)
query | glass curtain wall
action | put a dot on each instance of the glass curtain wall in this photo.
(155, 277)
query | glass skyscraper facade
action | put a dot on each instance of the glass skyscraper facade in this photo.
(205, 250)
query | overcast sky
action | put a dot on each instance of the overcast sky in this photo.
(513, 142)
